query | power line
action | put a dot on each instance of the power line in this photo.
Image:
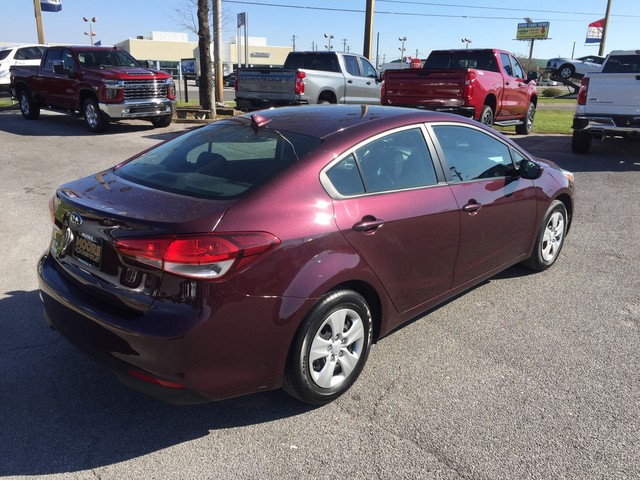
(417, 14)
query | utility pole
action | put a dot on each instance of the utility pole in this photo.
(604, 29)
(368, 30)
(38, 13)
(293, 40)
(344, 44)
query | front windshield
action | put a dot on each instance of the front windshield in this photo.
(106, 59)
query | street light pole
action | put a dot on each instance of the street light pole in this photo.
(91, 33)
(402, 40)
(467, 41)
(328, 37)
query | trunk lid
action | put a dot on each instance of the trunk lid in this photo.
(429, 88)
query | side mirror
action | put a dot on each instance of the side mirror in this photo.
(529, 170)
(150, 64)
(532, 76)
(59, 69)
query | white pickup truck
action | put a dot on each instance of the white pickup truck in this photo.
(609, 101)
(309, 78)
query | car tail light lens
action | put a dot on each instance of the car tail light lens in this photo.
(383, 89)
(582, 93)
(205, 257)
(468, 85)
(300, 76)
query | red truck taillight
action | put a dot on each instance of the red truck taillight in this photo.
(582, 93)
(300, 76)
(467, 93)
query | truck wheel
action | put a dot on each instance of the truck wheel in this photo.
(161, 122)
(580, 142)
(527, 122)
(28, 107)
(93, 117)
(486, 116)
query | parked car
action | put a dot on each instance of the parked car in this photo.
(608, 101)
(566, 68)
(102, 84)
(488, 85)
(17, 55)
(231, 81)
(270, 250)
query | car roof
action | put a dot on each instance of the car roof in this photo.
(322, 121)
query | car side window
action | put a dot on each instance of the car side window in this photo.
(67, 61)
(345, 177)
(52, 57)
(351, 64)
(518, 70)
(506, 64)
(28, 53)
(472, 154)
(367, 69)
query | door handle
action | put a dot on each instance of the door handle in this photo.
(472, 207)
(368, 225)
(349, 81)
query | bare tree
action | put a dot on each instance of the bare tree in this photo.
(206, 64)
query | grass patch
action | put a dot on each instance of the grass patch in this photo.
(553, 122)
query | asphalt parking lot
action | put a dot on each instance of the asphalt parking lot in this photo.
(525, 376)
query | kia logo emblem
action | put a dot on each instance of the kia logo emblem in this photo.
(75, 219)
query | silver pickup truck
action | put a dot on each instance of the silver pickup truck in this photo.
(309, 78)
(608, 101)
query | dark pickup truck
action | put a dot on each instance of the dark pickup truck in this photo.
(101, 83)
(485, 84)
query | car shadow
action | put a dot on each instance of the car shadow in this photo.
(63, 125)
(63, 413)
(608, 155)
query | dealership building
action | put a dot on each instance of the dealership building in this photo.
(168, 49)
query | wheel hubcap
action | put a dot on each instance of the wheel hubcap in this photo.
(553, 235)
(24, 104)
(91, 116)
(336, 348)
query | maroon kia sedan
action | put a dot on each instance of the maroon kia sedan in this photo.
(270, 250)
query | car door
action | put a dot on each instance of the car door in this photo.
(398, 214)
(514, 103)
(497, 208)
(357, 86)
(373, 83)
(64, 82)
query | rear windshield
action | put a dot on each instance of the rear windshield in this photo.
(326, 62)
(622, 64)
(4, 54)
(225, 160)
(481, 60)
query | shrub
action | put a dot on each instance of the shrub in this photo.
(552, 92)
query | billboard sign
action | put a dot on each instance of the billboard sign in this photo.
(537, 30)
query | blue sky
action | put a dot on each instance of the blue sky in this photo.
(427, 25)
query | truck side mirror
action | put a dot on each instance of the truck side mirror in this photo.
(532, 76)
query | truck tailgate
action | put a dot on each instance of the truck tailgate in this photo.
(424, 87)
(266, 84)
(613, 92)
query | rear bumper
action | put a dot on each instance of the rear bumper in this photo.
(145, 109)
(608, 125)
(243, 103)
(213, 349)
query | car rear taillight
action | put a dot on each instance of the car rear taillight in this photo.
(582, 93)
(383, 89)
(467, 93)
(205, 257)
(300, 76)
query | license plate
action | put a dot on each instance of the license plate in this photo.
(88, 249)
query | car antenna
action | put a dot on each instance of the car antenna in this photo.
(258, 121)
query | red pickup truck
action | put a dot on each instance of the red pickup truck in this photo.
(486, 84)
(101, 83)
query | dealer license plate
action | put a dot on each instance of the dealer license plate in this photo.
(88, 249)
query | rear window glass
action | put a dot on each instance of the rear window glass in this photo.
(4, 54)
(622, 64)
(326, 62)
(481, 60)
(225, 160)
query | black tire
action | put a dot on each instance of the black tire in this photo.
(566, 71)
(30, 109)
(486, 116)
(527, 126)
(320, 380)
(580, 142)
(550, 238)
(161, 122)
(93, 117)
